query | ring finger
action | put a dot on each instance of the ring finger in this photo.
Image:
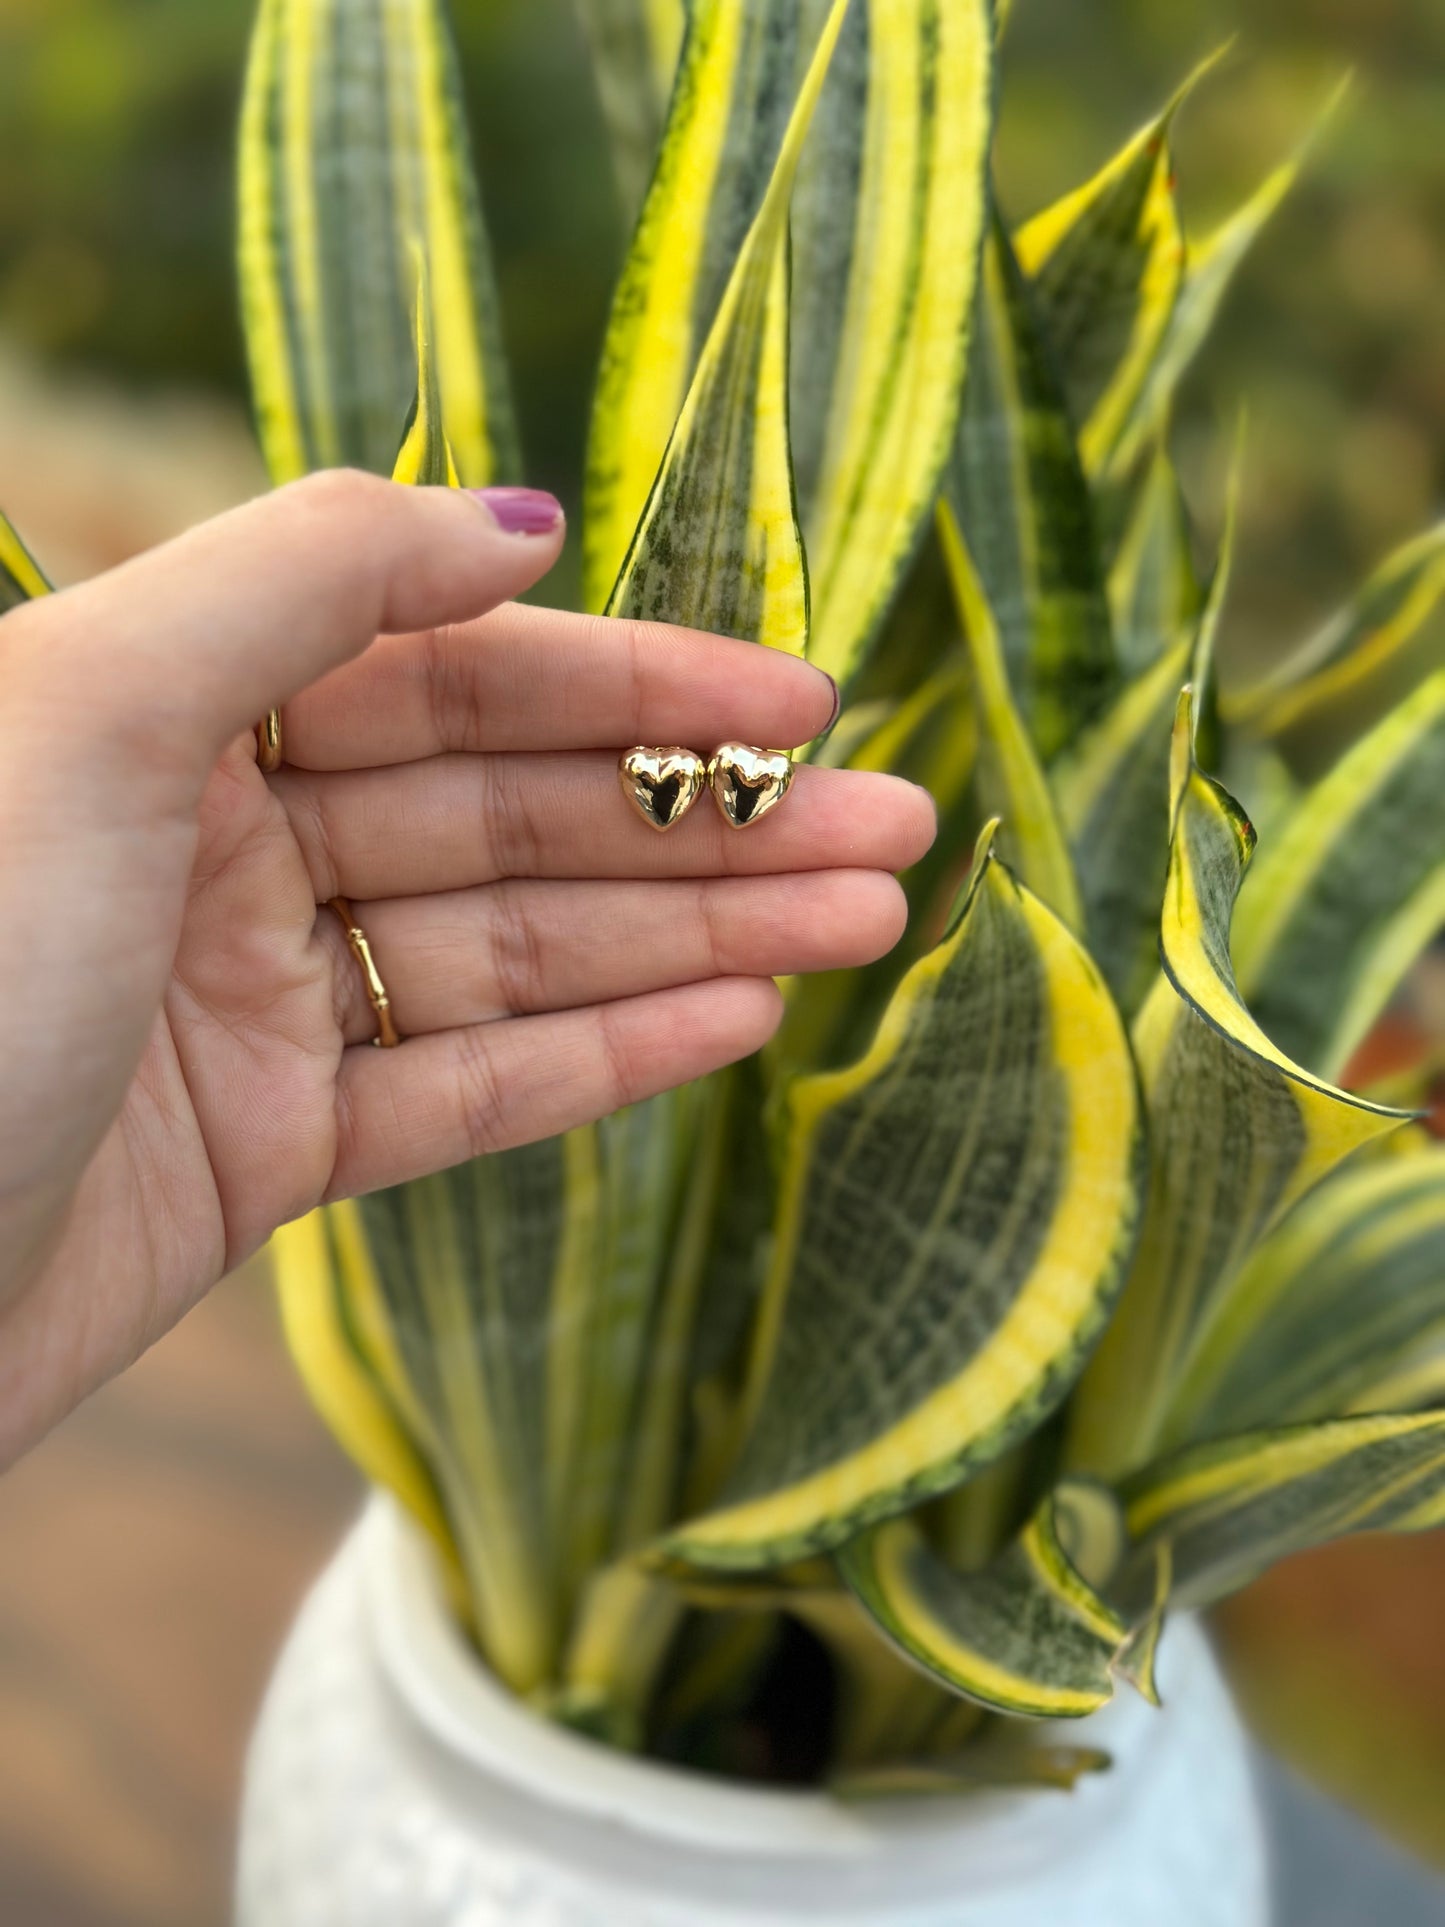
(525, 947)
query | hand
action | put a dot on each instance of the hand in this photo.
(184, 1036)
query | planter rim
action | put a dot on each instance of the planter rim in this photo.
(437, 1674)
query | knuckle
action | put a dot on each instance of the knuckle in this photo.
(711, 920)
(620, 1070)
(310, 820)
(479, 1094)
(454, 696)
(518, 967)
(512, 828)
(641, 647)
(339, 494)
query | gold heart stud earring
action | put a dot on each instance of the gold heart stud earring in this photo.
(747, 782)
(661, 784)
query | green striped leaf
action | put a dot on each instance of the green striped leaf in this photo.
(1352, 891)
(1239, 1131)
(1363, 648)
(340, 1341)
(1011, 784)
(1229, 1509)
(500, 1333)
(1211, 268)
(1113, 792)
(1025, 1636)
(1138, 1658)
(1017, 492)
(718, 546)
(465, 1264)
(719, 159)
(635, 45)
(425, 458)
(1107, 267)
(888, 220)
(21, 579)
(617, 1340)
(1154, 590)
(354, 155)
(956, 1211)
(1331, 1312)
(997, 1763)
(931, 739)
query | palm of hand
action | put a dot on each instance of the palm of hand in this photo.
(229, 1125)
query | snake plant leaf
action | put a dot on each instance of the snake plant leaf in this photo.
(718, 546)
(1113, 792)
(1352, 891)
(1416, 1381)
(521, 1291)
(329, 1309)
(635, 45)
(1107, 266)
(611, 1329)
(1211, 268)
(1137, 1661)
(1239, 1131)
(21, 579)
(1155, 594)
(986, 1765)
(956, 1212)
(465, 1263)
(1025, 1635)
(1321, 1319)
(1017, 491)
(1012, 783)
(695, 247)
(930, 739)
(353, 149)
(1361, 648)
(885, 1706)
(1230, 1508)
(888, 220)
(425, 458)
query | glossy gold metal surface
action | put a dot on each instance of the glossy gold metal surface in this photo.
(747, 782)
(661, 784)
(268, 743)
(388, 1036)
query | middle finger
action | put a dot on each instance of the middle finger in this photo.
(457, 821)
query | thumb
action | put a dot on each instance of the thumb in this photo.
(180, 650)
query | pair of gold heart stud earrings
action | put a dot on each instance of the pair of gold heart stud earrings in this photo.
(663, 784)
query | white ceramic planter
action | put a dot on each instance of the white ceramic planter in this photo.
(392, 1784)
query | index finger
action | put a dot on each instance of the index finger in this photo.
(524, 678)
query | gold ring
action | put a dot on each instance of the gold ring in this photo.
(388, 1036)
(268, 743)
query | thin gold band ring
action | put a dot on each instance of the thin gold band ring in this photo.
(388, 1036)
(268, 743)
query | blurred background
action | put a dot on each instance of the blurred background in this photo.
(153, 1551)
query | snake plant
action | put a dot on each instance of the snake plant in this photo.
(891, 1388)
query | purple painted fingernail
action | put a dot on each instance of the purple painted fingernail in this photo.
(520, 511)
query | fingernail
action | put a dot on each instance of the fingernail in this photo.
(520, 511)
(837, 709)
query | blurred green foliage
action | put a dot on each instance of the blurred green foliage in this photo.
(116, 133)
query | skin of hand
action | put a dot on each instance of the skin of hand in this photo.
(184, 1036)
